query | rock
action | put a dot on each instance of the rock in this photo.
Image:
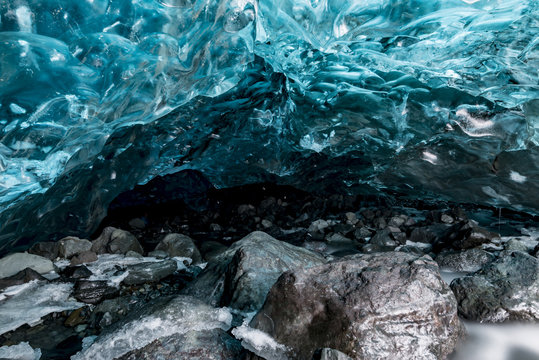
(474, 236)
(378, 306)
(362, 233)
(93, 292)
(71, 246)
(137, 223)
(339, 239)
(179, 245)
(212, 249)
(133, 254)
(21, 277)
(447, 219)
(212, 344)
(116, 241)
(75, 318)
(76, 272)
(157, 320)
(266, 223)
(464, 261)
(381, 241)
(516, 245)
(504, 290)
(83, 258)
(441, 235)
(47, 249)
(147, 272)
(318, 226)
(351, 218)
(397, 221)
(331, 354)
(159, 254)
(16, 262)
(242, 276)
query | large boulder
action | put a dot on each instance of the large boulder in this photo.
(504, 290)
(212, 344)
(16, 262)
(375, 306)
(116, 241)
(147, 272)
(179, 245)
(47, 249)
(71, 246)
(242, 276)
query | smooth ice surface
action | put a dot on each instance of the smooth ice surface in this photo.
(28, 303)
(22, 351)
(426, 97)
(181, 315)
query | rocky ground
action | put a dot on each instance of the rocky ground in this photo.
(270, 272)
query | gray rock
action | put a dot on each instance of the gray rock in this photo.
(116, 241)
(83, 258)
(242, 276)
(133, 254)
(19, 278)
(435, 233)
(381, 241)
(398, 221)
(447, 219)
(93, 292)
(16, 262)
(318, 226)
(212, 249)
(212, 344)
(159, 254)
(340, 239)
(48, 249)
(71, 246)
(149, 272)
(137, 223)
(379, 306)
(76, 272)
(504, 290)
(332, 354)
(179, 245)
(464, 261)
(474, 236)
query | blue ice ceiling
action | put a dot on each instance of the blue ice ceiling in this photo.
(429, 98)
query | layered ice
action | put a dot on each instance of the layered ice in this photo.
(427, 98)
(28, 303)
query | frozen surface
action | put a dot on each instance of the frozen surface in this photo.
(426, 97)
(28, 303)
(179, 316)
(22, 351)
(260, 343)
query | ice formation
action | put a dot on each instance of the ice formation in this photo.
(424, 97)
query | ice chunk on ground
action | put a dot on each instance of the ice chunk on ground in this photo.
(22, 351)
(28, 303)
(178, 316)
(259, 342)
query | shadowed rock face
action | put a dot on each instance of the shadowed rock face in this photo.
(379, 306)
(424, 97)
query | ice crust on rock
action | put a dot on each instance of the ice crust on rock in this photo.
(22, 351)
(178, 316)
(102, 95)
(28, 303)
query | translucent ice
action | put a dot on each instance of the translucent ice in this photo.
(436, 98)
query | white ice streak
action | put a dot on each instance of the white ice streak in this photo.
(259, 342)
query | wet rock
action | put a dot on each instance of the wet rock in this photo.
(379, 306)
(148, 272)
(47, 249)
(362, 233)
(398, 221)
(14, 263)
(381, 241)
(137, 223)
(474, 236)
(179, 245)
(93, 292)
(464, 261)
(242, 276)
(83, 258)
(212, 249)
(133, 254)
(504, 290)
(212, 344)
(116, 241)
(75, 318)
(440, 235)
(339, 239)
(71, 246)
(19, 278)
(447, 219)
(76, 272)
